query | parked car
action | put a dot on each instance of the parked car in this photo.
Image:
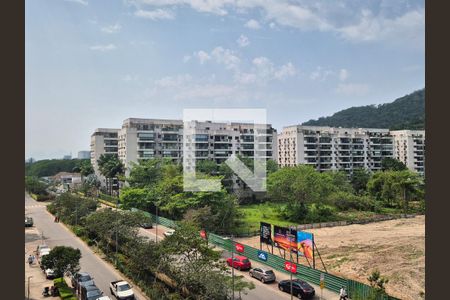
(147, 225)
(41, 255)
(41, 247)
(49, 274)
(265, 275)
(240, 262)
(104, 298)
(121, 290)
(81, 277)
(300, 288)
(28, 221)
(169, 232)
(90, 292)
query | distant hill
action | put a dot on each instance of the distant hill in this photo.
(407, 112)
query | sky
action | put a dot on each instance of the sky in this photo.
(94, 63)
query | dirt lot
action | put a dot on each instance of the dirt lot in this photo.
(396, 248)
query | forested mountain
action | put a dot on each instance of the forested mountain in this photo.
(407, 112)
(50, 167)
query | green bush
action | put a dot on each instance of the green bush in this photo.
(79, 231)
(64, 291)
(320, 213)
(347, 201)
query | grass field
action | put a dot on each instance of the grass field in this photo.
(253, 214)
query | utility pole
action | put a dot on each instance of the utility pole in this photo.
(28, 287)
(117, 237)
(156, 224)
(232, 266)
(289, 236)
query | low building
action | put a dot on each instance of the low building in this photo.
(409, 148)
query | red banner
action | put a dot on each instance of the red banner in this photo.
(291, 267)
(239, 247)
(203, 234)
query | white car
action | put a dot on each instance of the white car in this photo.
(49, 273)
(169, 232)
(104, 298)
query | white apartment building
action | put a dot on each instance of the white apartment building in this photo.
(409, 148)
(103, 141)
(148, 138)
(331, 148)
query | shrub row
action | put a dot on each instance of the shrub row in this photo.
(65, 292)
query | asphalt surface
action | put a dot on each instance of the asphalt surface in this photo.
(56, 234)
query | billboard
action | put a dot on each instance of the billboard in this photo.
(282, 240)
(265, 233)
(305, 242)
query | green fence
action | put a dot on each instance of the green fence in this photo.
(332, 282)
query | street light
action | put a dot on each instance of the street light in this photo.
(156, 224)
(290, 238)
(232, 266)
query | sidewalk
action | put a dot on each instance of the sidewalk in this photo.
(38, 280)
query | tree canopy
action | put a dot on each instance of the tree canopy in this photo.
(62, 259)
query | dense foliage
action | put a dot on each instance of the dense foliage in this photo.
(51, 167)
(72, 209)
(35, 186)
(407, 112)
(62, 259)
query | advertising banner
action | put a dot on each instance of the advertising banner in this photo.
(203, 234)
(291, 267)
(262, 255)
(305, 242)
(239, 247)
(265, 233)
(282, 239)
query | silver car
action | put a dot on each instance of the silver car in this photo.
(265, 275)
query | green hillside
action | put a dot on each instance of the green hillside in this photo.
(407, 112)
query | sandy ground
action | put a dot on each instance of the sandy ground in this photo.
(396, 248)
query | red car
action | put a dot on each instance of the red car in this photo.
(240, 262)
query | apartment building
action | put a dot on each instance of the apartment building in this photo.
(103, 141)
(409, 148)
(148, 138)
(331, 148)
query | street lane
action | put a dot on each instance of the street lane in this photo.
(56, 234)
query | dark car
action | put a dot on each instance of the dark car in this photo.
(28, 221)
(300, 288)
(90, 292)
(240, 262)
(81, 278)
(265, 275)
(147, 225)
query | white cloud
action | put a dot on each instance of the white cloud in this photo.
(130, 77)
(343, 75)
(112, 28)
(410, 26)
(252, 24)
(157, 14)
(226, 57)
(321, 74)
(82, 2)
(352, 89)
(173, 81)
(286, 70)
(380, 23)
(243, 41)
(202, 56)
(103, 48)
(186, 58)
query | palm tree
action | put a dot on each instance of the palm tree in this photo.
(110, 166)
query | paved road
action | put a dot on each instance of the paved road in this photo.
(56, 234)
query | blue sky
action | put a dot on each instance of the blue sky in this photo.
(94, 63)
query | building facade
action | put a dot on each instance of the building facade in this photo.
(331, 148)
(103, 141)
(409, 148)
(149, 138)
(84, 155)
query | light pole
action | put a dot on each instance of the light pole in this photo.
(156, 224)
(117, 237)
(28, 287)
(232, 266)
(290, 238)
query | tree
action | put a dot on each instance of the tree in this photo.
(72, 209)
(196, 267)
(110, 166)
(35, 186)
(392, 164)
(62, 259)
(378, 282)
(145, 174)
(359, 179)
(207, 166)
(86, 168)
(136, 198)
